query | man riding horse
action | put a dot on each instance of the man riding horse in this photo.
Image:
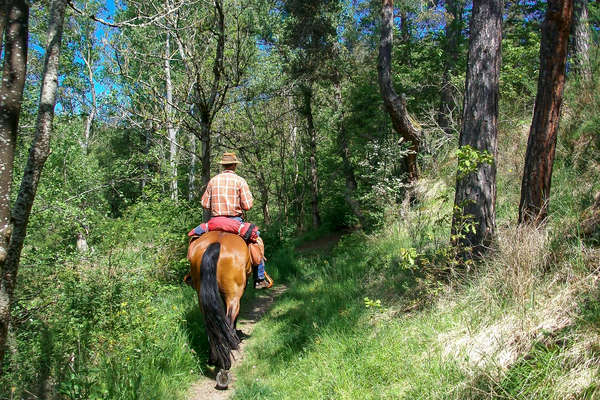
(228, 195)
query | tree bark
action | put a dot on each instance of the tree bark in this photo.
(475, 198)
(539, 157)
(395, 104)
(11, 96)
(38, 153)
(15, 34)
(581, 40)
(312, 137)
(171, 130)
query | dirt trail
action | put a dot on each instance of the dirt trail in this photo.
(204, 388)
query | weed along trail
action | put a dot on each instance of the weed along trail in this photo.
(204, 388)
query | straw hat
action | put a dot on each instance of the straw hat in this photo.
(229, 158)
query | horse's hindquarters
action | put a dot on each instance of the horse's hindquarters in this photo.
(219, 265)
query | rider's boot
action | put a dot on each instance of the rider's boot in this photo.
(259, 276)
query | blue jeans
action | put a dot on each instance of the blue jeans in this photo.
(260, 268)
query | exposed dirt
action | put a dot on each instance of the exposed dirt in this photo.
(204, 388)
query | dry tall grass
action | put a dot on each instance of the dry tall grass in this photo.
(521, 257)
(530, 292)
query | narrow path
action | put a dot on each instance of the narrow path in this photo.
(204, 388)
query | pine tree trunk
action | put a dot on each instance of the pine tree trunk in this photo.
(539, 157)
(15, 34)
(581, 40)
(475, 198)
(395, 104)
(312, 136)
(38, 153)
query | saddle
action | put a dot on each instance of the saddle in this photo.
(247, 231)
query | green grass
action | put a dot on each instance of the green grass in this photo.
(322, 340)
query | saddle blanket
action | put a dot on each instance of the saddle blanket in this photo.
(248, 232)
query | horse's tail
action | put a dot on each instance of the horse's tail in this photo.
(221, 336)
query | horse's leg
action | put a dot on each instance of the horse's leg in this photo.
(212, 358)
(233, 310)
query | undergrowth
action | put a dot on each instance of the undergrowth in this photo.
(115, 322)
(390, 315)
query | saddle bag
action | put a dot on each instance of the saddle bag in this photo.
(257, 251)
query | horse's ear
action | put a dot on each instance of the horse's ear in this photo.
(187, 279)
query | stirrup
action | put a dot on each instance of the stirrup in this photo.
(269, 280)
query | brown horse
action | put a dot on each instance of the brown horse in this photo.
(220, 265)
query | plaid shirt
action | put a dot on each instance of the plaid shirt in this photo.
(227, 194)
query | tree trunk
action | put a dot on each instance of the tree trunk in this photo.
(91, 116)
(11, 95)
(395, 104)
(38, 152)
(298, 199)
(453, 28)
(539, 157)
(264, 198)
(192, 172)
(475, 198)
(15, 35)
(347, 168)
(171, 130)
(581, 40)
(312, 136)
(205, 173)
(210, 106)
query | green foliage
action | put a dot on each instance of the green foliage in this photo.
(112, 325)
(408, 256)
(372, 303)
(469, 160)
(520, 69)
